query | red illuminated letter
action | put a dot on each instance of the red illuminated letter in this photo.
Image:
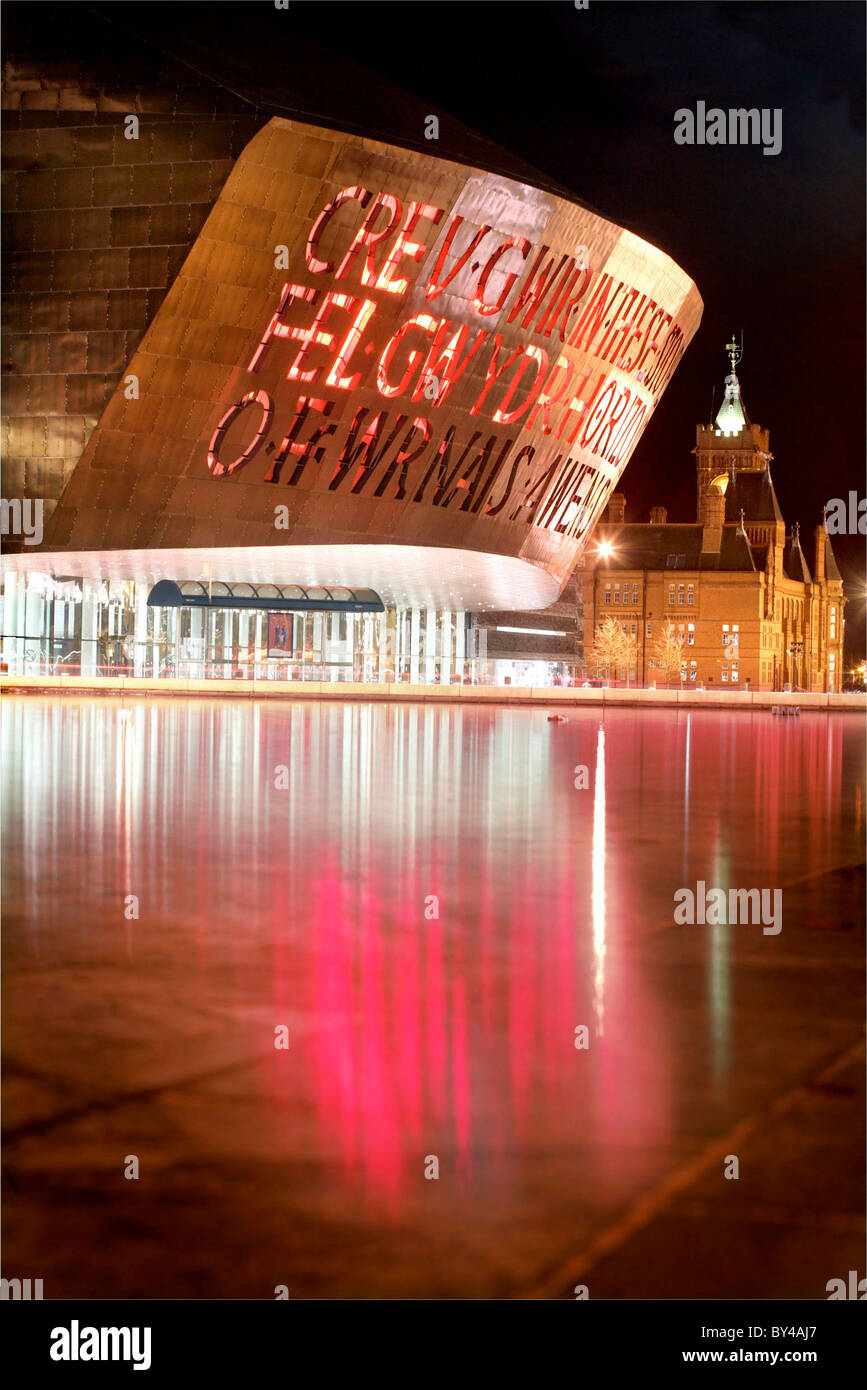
(524, 246)
(402, 247)
(532, 354)
(429, 326)
(275, 328)
(545, 399)
(446, 365)
(316, 334)
(348, 346)
(494, 372)
(260, 398)
(345, 195)
(290, 443)
(433, 289)
(368, 239)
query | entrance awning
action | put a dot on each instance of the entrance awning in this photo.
(273, 598)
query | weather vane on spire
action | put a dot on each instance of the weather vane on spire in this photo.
(735, 352)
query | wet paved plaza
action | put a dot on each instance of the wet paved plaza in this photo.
(425, 906)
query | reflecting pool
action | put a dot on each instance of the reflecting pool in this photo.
(388, 1000)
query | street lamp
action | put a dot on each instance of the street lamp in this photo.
(795, 649)
(604, 551)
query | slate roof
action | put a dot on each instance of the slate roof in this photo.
(760, 556)
(754, 492)
(649, 547)
(831, 568)
(794, 563)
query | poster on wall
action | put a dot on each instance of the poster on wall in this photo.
(280, 627)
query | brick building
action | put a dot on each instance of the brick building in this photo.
(747, 608)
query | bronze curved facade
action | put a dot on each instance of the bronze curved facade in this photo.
(368, 346)
(95, 226)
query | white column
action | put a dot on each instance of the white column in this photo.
(258, 639)
(197, 643)
(430, 637)
(173, 630)
(402, 644)
(35, 637)
(446, 649)
(211, 643)
(89, 612)
(228, 642)
(349, 649)
(318, 644)
(414, 644)
(13, 608)
(460, 641)
(383, 643)
(368, 630)
(140, 629)
(244, 639)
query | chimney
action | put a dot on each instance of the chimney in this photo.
(658, 516)
(714, 517)
(819, 566)
(617, 509)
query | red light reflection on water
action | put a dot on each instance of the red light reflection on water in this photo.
(415, 1034)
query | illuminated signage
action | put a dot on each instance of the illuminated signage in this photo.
(559, 367)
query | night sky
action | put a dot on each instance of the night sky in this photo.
(774, 243)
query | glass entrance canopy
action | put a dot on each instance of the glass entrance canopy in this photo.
(274, 598)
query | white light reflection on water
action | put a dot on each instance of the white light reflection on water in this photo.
(598, 862)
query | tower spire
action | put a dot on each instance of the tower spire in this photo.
(732, 416)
